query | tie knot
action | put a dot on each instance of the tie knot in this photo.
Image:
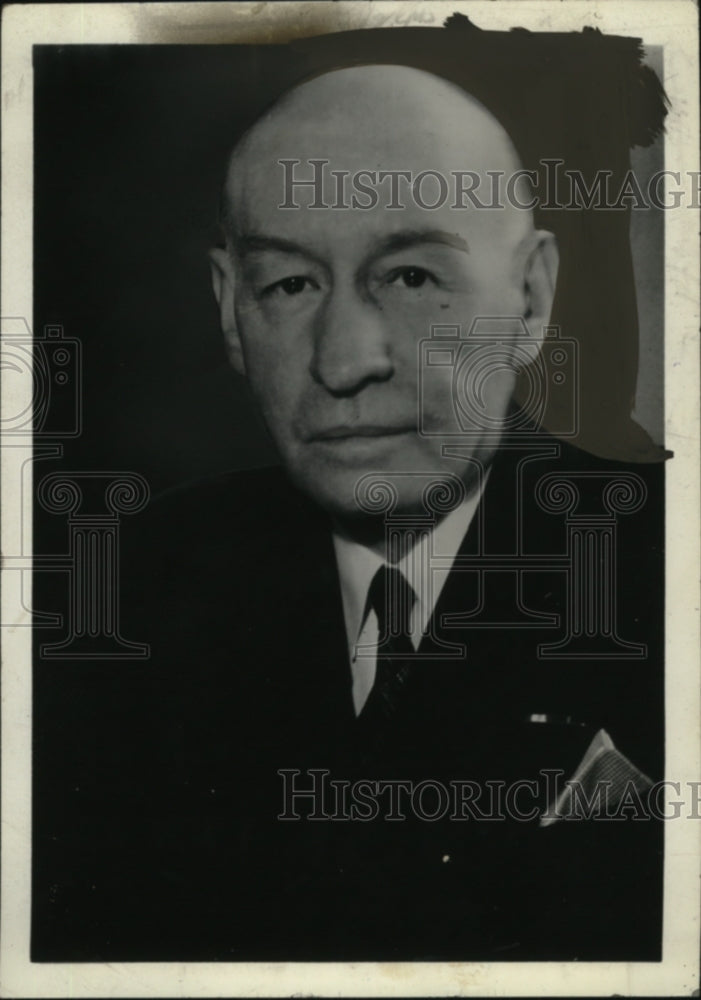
(392, 598)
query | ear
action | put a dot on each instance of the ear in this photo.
(539, 280)
(224, 285)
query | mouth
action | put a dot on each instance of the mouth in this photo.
(359, 432)
(345, 432)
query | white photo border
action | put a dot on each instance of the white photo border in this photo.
(671, 24)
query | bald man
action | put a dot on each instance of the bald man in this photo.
(362, 740)
(324, 311)
(356, 291)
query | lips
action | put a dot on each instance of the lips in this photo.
(344, 432)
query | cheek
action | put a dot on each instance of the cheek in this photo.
(406, 325)
(484, 381)
(275, 359)
(491, 289)
(502, 297)
(413, 326)
(468, 395)
(417, 319)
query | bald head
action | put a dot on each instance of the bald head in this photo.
(380, 120)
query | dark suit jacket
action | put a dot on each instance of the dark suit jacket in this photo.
(158, 785)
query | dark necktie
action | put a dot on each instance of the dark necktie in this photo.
(391, 598)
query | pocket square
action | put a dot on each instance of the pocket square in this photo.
(603, 774)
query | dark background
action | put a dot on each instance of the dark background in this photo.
(130, 147)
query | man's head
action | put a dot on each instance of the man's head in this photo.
(324, 308)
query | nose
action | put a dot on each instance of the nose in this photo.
(350, 347)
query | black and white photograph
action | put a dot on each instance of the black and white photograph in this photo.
(350, 438)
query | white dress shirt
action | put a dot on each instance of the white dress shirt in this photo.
(357, 565)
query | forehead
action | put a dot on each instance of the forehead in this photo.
(428, 136)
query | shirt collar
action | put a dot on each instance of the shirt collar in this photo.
(357, 565)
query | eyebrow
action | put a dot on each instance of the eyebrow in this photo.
(408, 238)
(254, 243)
(404, 240)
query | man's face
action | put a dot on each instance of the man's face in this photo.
(330, 305)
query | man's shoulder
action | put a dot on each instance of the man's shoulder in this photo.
(628, 491)
(261, 494)
(233, 512)
(234, 540)
(570, 455)
(552, 479)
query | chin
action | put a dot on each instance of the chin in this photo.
(335, 493)
(403, 481)
(371, 496)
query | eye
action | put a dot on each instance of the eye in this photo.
(411, 277)
(293, 285)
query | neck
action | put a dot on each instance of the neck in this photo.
(373, 535)
(392, 546)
